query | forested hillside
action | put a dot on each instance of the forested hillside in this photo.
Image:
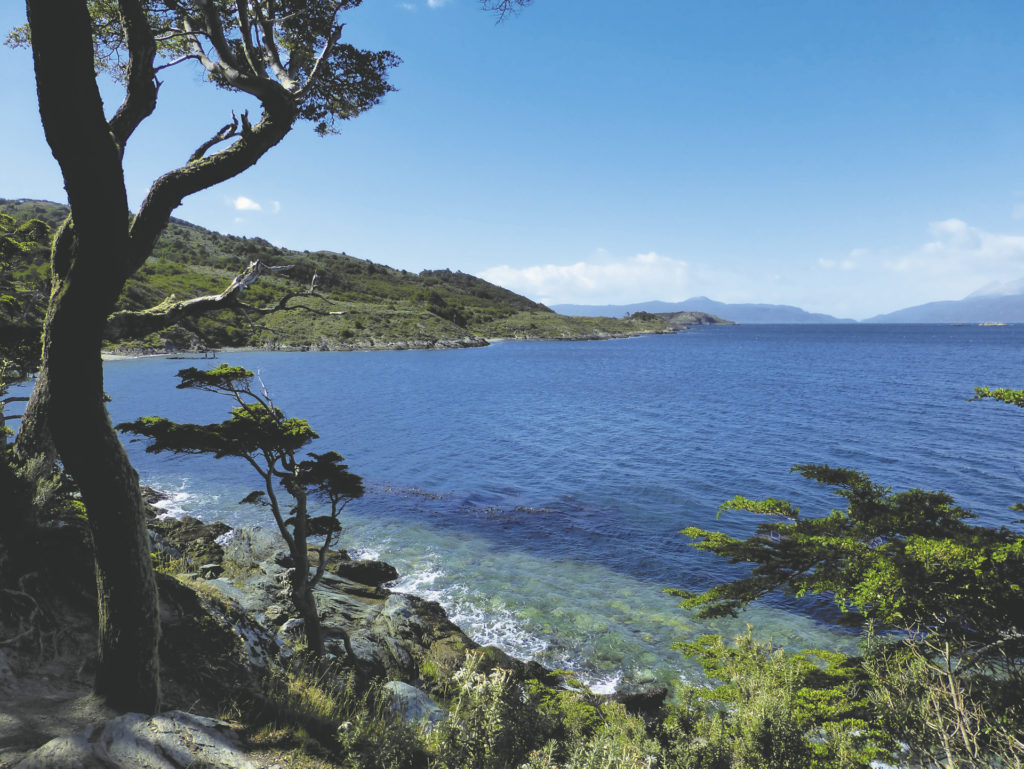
(354, 303)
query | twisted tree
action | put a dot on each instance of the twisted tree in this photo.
(269, 442)
(289, 56)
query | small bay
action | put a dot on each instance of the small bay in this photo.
(537, 489)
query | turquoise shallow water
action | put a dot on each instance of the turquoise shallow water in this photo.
(537, 489)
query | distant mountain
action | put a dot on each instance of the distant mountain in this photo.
(989, 305)
(738, 313)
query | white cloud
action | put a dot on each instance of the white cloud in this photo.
(437, 3)
(644, 276)
(953, 260)
(844, 265)
(959, 248)
(407, 6)
(956, 260)
(242, 203)
(276, 206)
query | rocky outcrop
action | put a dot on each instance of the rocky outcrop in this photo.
(191, 539)
(173, 740)
(393, 635)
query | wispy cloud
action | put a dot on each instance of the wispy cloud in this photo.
(276, 206)
(437, 3)
(640, 277)
(844, 265)
(953, 260)
(956, 260)
(242, 203)
(407, 6)
(958, 247)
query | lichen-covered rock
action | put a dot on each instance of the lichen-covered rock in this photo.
(236, 650)
(194, 540)
(173, 740)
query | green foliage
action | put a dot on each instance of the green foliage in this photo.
(358, 304)
(902, 560)
(320, 710)
(263, 436)
(24, 246)
(774, 709)
(1002, 394)
(491, 723)
(947, 596)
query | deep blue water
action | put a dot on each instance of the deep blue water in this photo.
(537, 489)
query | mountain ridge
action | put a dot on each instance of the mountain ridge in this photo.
(737, 313)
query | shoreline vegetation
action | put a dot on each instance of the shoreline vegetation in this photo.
(131, 353)
(302, 300)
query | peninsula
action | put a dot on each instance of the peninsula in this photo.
(323, 300)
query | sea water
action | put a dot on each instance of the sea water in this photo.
(537, 489)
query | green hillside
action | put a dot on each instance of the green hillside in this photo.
(359, 304)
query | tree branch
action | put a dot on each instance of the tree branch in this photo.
(270, 46)
(245, 30)
(314, 72)
(225, 133)
(140, 93)
(170, 189)
(137, 323)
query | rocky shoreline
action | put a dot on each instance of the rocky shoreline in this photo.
(393, 635)
(371, 345)
(227, 625)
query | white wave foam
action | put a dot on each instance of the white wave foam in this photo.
(499, 626)
(174, 504)
(224, 538)
(363, 554)
(603, 685)
(417, 582)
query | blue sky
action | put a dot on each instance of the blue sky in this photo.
(846, 157)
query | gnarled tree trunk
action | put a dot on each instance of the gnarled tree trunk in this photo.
(89, 267)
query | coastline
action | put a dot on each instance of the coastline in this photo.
(116, 354)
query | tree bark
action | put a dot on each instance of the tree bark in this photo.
(302, 591)
(89, 266)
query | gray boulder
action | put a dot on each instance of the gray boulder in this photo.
(174, 740)
(413, 704)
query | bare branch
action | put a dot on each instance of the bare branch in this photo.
(179, 60)
(225, 133)
(137, 323)
(228, 64)
(503, 8)
(245, 30)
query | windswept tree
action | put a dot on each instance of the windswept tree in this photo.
(270, 442)
(288, 56)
